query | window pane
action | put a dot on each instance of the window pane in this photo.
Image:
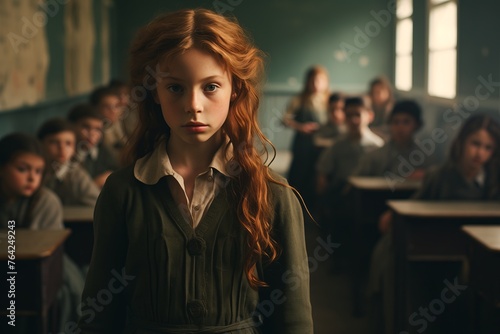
(442, 73)
(404, 8)
(404, 72)
(404, 37)
(443, 27)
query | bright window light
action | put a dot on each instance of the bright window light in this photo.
(404, 45)
(442, 50)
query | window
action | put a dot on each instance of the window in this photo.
(404, 44)
(442, 52)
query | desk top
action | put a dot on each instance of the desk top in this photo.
(31, 244)
(486, 235)
(381, 183)
(84, 214)
(446, 209)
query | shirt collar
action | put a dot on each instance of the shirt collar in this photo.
(480, 177)
(94, 152)
(152, 167)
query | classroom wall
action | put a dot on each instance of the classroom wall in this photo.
(478, 58)
(57, 101)
(294, 34)
(353, 40)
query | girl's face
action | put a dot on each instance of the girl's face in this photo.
(318, 83)
(478, 149)
(22, 175)
(60, 146)
(194, 95)
(379, 94)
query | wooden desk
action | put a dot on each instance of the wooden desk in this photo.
(79, 245)
(38, 268)
(369, 198)
(483, 252)
(430, 231)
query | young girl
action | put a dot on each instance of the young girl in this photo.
(380, 92)
(305, 114)
(472, 172)
(32, 206)
(197, 235)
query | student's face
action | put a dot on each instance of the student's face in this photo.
(110, 108)
(60, 147)
(194, 96)
(356, 118)
(402, 128)
(89, 130)
(22, 175)
(336, 112)
(379, 94)
(478, 149)
(318, 83)
(124, 97)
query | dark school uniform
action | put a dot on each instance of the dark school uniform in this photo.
(180, 279)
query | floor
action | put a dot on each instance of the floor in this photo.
(331, 294)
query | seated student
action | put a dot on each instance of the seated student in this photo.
(472, 172)
(393, 159)
(94, 157)
(65, 177)
(381, 96)
(130, 116)
(335, 127)
(107, 103)
(338, 162)
(32, 206)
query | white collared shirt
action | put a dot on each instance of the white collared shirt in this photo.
(151, 168)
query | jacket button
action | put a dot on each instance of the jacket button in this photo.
(195, 246)
(196, 309)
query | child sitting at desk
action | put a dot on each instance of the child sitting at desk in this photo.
(472, 172)
(337, 163)
(107, 102)
(32, 206)
(94, 157)
(395, 160)
(65, 177)
(328, 133)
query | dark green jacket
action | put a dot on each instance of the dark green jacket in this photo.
(152, 271)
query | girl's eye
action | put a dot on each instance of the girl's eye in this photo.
(489, 148)
(21, 169)
(211, 88)
(175, 88)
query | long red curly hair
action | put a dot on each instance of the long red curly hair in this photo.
(171, 34)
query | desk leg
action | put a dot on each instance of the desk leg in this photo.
(51, 274)
(401, 274)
